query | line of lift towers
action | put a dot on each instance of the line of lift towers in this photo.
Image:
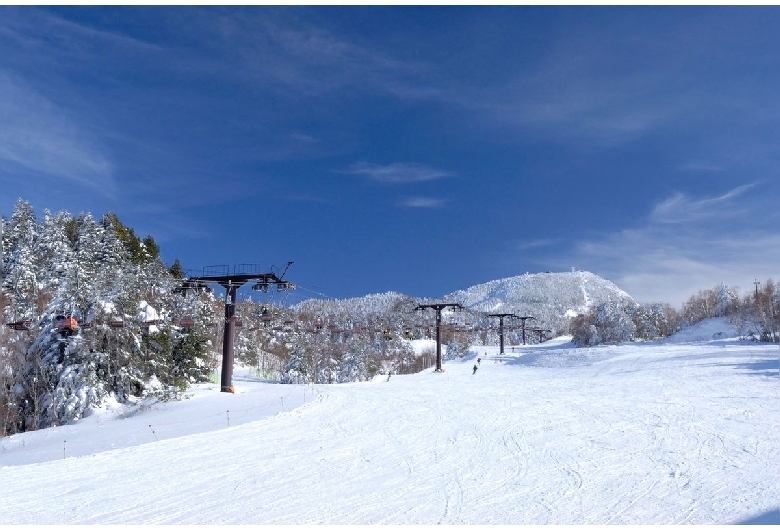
(438, 307)
(240, 276)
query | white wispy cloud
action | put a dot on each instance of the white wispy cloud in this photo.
(701, 166)
(688, 244)
(303, 197)
(302, 59)
(397, 173)
(679, 208)
(422, 202)
(536, 243)
(624, 84)
(572, 97)
(42, 139)
(53, 40)
(89, 36)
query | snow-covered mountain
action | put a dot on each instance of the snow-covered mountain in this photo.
(550, 297)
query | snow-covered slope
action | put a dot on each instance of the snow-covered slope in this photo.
(709, 329)
(651, 433)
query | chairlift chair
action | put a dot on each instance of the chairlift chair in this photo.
(66, 324)
(265, 315)
(262, 285)
(20, 325)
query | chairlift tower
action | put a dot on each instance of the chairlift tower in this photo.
(541, 332)
(232, 281)
(523, 319)
(438, 308)
(501, 317)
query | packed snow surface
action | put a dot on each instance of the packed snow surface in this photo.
(653, 433)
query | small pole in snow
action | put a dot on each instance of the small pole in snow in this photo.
(64, 449)
(153, 433)
(282, 398)
(227, 412)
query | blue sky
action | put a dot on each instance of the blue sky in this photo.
(414, 149)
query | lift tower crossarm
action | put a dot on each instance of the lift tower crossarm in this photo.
(501, 317)
(231, 283)
(438, 307)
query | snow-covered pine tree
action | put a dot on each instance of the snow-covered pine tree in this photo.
(457, 347)
(20, 264)
(402, 356)
(54, 249)
(300, 366)
(100, 273)
(360, 361)
(329, 362)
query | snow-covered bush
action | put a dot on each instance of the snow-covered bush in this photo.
(655, 321)
(610, 322)
(457, 347)
(300, 366)
(614, 322)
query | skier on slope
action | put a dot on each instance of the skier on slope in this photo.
(475, 370)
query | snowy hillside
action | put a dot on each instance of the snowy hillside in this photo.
(709, 329)
(550, 297)
(375, 304)
(669, 432)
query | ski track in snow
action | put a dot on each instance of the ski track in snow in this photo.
(631, 434)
